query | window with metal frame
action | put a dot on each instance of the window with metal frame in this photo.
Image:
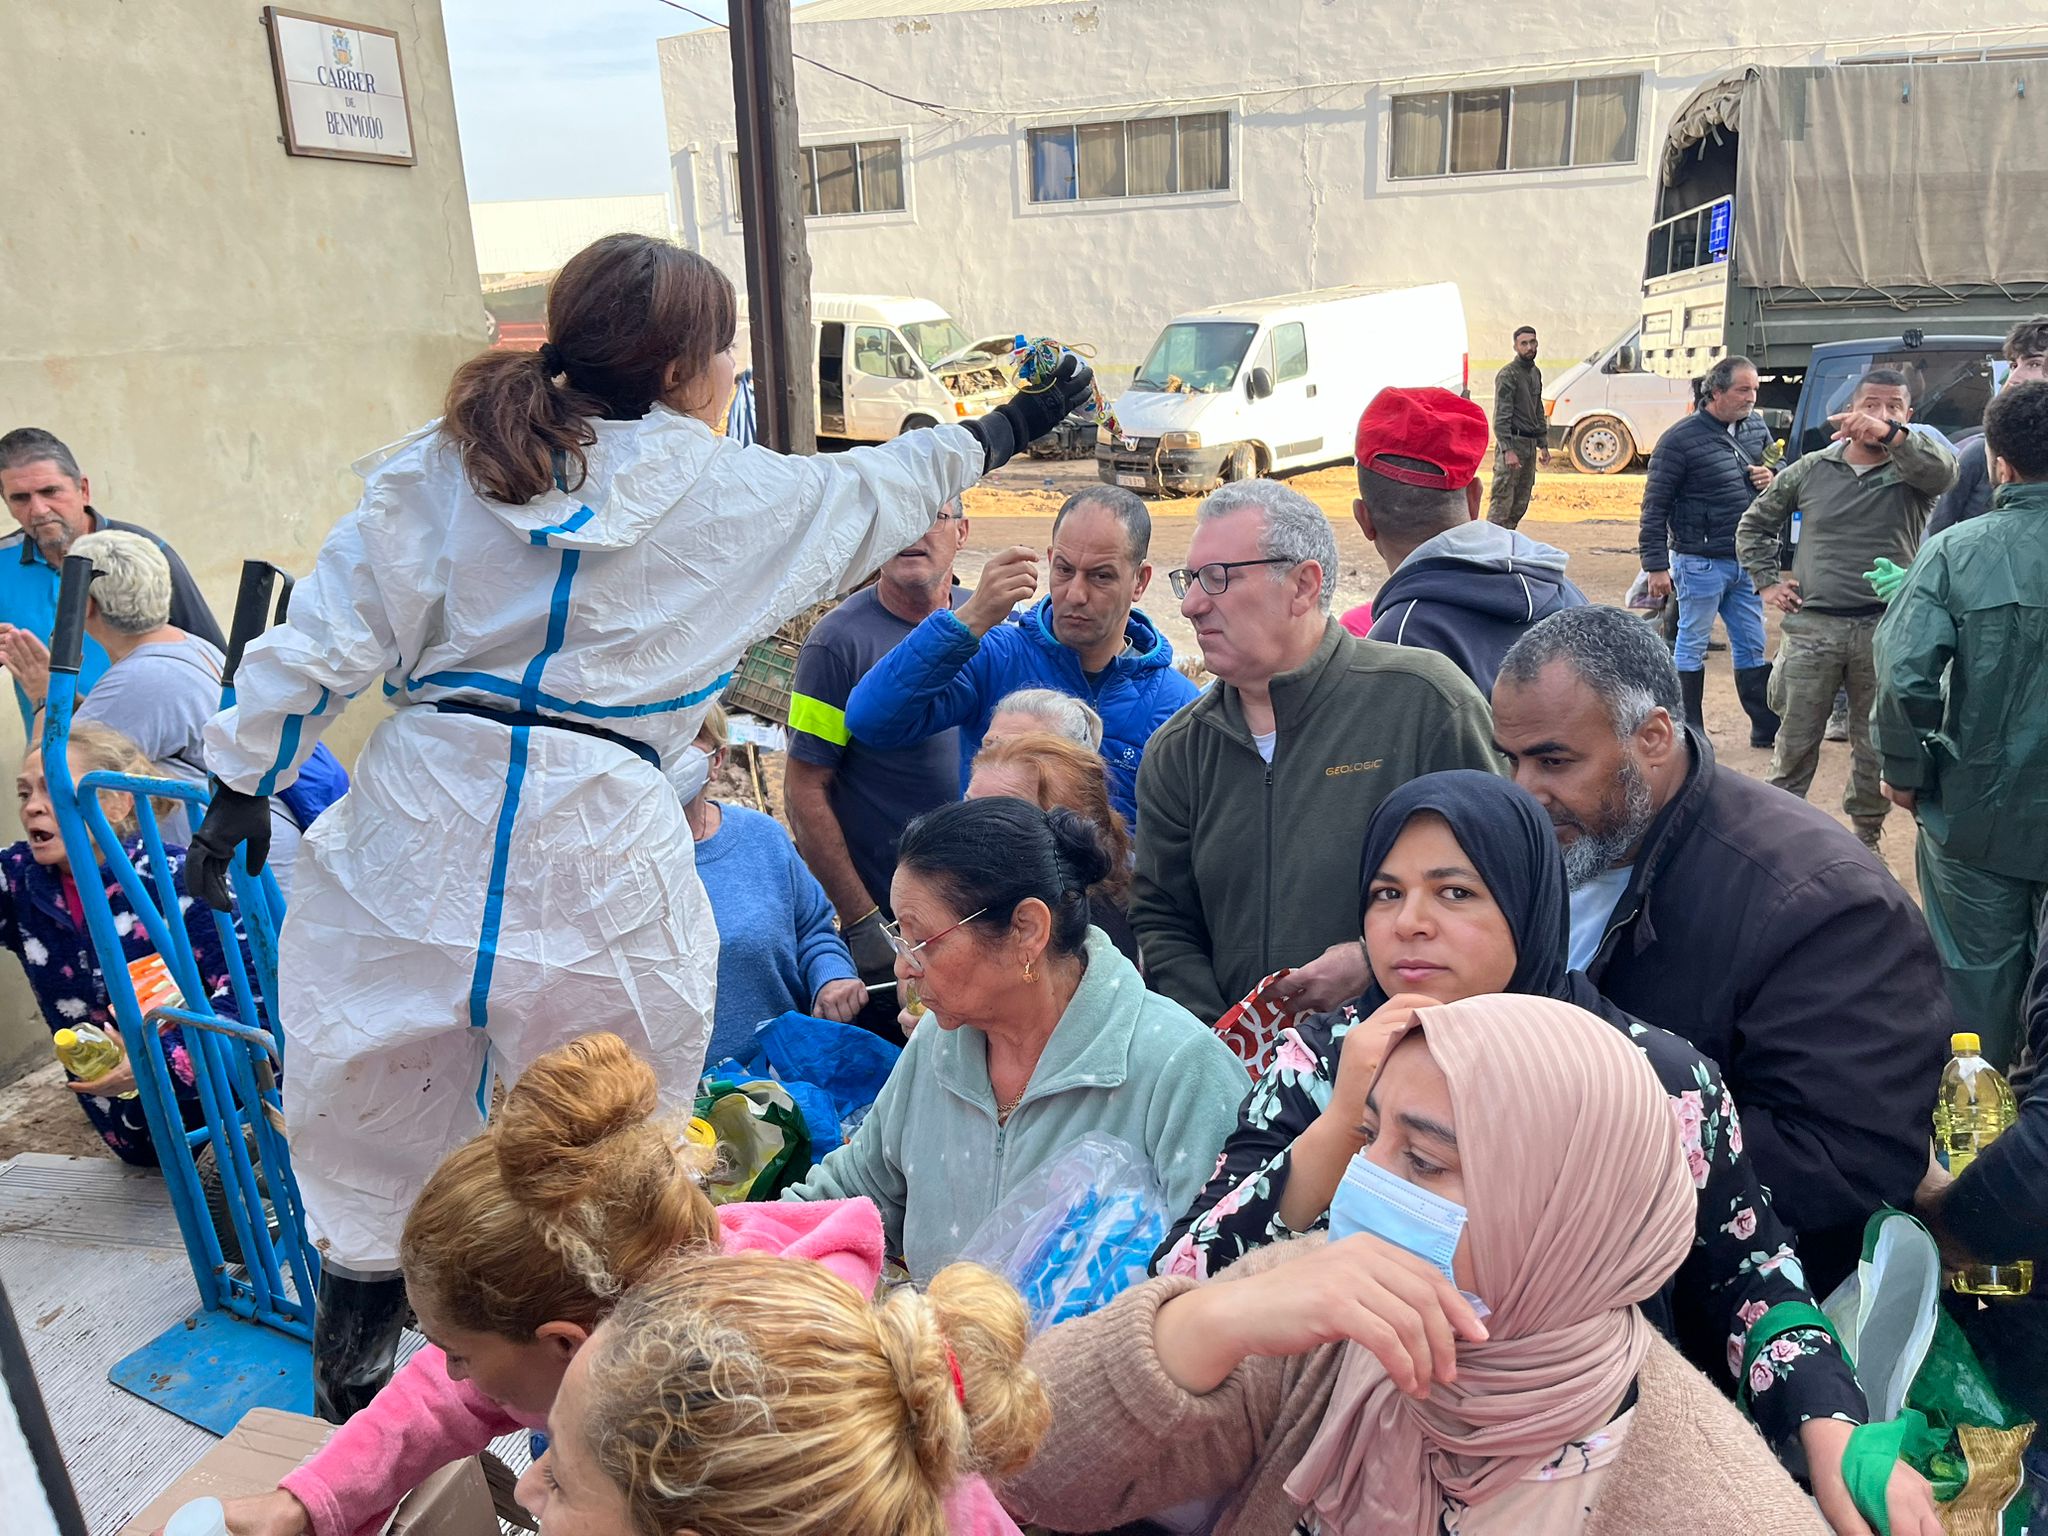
(842, 180)
(1135, 157)
(1545, 125)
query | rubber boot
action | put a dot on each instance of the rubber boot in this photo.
(1693, 687)
(1753, 687)
(356, 1324)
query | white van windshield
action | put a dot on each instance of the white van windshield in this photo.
(936, 340)
(1197, 357)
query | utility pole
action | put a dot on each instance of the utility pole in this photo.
(772, 225)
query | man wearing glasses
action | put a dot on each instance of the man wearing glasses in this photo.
(1254, 798)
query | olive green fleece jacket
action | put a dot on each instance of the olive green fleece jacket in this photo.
(1846, 520)
(1244, 868)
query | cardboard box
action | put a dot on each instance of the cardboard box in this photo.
(268, 1443)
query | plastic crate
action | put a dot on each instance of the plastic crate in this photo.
(762, 682)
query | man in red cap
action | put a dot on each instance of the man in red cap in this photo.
(1457, 584)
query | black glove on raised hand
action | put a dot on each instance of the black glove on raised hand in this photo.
(233, 819)
(1031, 413)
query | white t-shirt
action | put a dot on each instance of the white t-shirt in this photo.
(1265, 743)
(1592, 909)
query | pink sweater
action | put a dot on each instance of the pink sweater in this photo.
(423, 1420)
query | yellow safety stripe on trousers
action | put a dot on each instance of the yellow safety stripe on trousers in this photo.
(814, 717)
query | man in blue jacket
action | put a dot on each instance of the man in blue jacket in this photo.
(1707, 469)
(1457, 585)
(1085, 638)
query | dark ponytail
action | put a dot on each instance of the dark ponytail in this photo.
(621, 311)
(996, 853)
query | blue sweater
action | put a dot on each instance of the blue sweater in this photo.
(776, 942)
(941, 676)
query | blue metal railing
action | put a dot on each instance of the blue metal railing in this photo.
(237, 1062)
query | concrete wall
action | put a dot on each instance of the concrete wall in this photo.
(217, 328)
(1308, 85)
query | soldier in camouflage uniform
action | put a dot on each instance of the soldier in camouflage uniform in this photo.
(1521, 432)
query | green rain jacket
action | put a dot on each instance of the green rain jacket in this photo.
(1962, 686)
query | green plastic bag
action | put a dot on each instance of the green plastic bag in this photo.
(763, 1145)
(1921, 1374)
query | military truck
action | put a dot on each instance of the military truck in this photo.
(1799, 206)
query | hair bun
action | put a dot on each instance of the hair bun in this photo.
(553, 1131)
(1078, 846)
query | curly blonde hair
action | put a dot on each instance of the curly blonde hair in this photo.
(748, 1395)
(102, 749)
(575, 1192)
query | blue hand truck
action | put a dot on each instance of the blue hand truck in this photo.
(249, 1343)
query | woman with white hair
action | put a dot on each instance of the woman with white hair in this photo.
(162, 684)
(1030, 710)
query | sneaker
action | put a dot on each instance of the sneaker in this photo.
(1838, 724)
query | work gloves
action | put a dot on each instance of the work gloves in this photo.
(873, 955)
(233, 819)
(1886, 579)
(1030, 414)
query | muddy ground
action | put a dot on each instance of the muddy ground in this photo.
(1592, 518)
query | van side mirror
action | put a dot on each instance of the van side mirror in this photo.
(1259, 385)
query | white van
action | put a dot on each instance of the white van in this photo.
(1607, 411)
(887, 365)
(1273, 384)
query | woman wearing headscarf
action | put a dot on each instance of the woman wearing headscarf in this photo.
(1465, 1356)
(1463, 894)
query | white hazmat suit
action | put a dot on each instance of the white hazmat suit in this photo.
(485, 888)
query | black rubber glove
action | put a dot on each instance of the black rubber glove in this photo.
(873, 955)
(233, 819)
(1029, 415)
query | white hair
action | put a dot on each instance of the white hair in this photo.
(1296, 529)
(1061, 713)
(131, 580)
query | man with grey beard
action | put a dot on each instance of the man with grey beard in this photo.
(1738, 916)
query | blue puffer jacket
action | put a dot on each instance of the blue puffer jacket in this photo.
(940, 676)
(1698, 487)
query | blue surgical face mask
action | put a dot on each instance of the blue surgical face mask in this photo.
(1370, 1199)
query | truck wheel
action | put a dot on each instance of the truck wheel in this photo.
(1243, 464)
(912, 423)
(1600, 445)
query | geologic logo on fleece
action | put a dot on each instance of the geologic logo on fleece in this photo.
(1338, 770)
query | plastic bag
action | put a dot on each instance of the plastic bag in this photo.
(833, 1071)
(761, 1146)
(1252, 1028)
(1077, 1231)
(1915, 1364)
(1639, 598)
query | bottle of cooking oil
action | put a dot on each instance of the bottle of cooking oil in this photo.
(1975, 1104)
(88, 1053)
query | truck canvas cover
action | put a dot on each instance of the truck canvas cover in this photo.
(1967, 145)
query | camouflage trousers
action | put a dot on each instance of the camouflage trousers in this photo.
(1508, 497)
(1819, 654)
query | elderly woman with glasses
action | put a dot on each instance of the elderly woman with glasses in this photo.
(1037, 1033)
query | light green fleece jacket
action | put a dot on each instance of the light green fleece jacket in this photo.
(1122, 1062)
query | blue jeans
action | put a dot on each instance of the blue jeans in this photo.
(1707, 586)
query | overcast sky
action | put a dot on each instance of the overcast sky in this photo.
(559, 100)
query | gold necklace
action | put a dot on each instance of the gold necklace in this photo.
(1004, 1111)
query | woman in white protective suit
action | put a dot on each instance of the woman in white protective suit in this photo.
(551, 583)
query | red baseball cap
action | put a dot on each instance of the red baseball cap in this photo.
(1429, 424)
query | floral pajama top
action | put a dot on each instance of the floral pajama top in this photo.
(1741, 1264)
(39, 925)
